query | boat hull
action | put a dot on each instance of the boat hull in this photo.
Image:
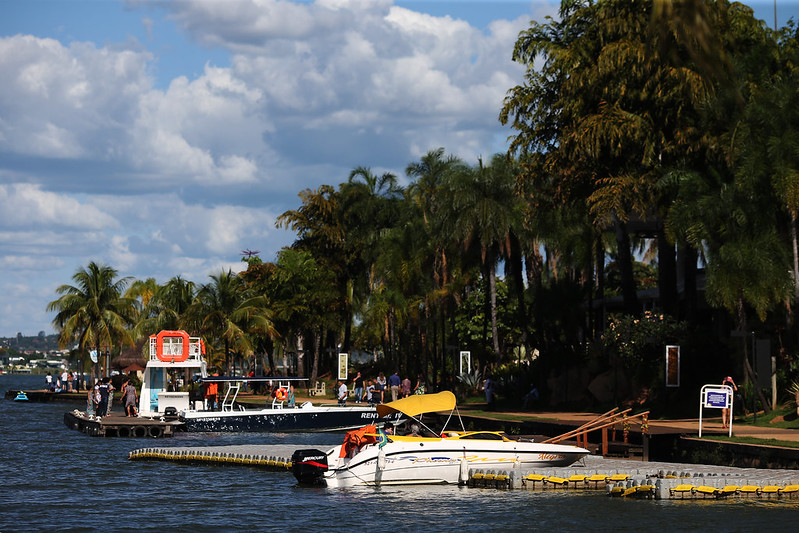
(440, 461)
(282, 420)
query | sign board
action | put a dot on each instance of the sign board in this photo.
(466, 362)
(342, 366)
(672, 366)
(715, 397)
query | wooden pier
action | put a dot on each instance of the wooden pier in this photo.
(119, 425)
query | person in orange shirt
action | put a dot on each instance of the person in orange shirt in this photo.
(211, 390)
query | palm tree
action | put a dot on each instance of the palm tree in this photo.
(167, 307)
(225, 312)
(485, 213)
(94, 311)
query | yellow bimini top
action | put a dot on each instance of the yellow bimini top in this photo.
(418, 404)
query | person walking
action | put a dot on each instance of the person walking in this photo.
(357, 383)
(394, 382)
(406, 387)
(129, 394)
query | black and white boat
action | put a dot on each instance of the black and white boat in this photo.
(278, 416)
(175, 353)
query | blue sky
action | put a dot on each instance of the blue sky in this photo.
(162, 138)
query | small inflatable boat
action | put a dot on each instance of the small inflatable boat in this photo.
(21, 397)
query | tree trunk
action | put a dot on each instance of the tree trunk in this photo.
(316, 347)
(492, 286)
(515, 263)
(599, 316)
(625, 261)
(795, 248)
(667, 274)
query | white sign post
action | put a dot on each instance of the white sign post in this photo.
(715, 397)
(343, 365)
(466, 362)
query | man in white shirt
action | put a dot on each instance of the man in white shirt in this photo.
(342, 393)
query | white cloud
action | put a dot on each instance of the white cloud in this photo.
(100, 163)
(24, 205)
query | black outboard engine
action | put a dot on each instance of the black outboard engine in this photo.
(309, 467)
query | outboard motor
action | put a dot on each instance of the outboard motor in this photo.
(309, 466)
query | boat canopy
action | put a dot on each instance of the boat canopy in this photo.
(417, 404)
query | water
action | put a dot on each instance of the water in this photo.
(59, 479)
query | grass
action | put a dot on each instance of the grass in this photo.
(754, 441)
(498, 415)
(767, 420)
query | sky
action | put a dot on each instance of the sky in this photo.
(164, 138)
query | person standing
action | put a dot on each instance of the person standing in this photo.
(370, 392)
(726, 414)
(111, 390)
(102, 405)
(342, 393)
(70, 381)
(406, 387)
(292, 399)
(357, 383)
(91, 401)
(48, 379)
(394, 382)
(211, 390)
(488, 387)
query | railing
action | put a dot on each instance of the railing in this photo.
(613, 418)
(170, 348)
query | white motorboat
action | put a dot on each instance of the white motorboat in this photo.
(369, 456)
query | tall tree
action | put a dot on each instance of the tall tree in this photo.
(226, 313)
(94, 311)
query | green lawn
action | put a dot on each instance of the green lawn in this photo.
(768, 420)
(755, 441)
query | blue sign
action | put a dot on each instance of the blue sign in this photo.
(716, 398)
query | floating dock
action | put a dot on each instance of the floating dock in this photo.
(657, 481)
(119, 425)
(267, 456)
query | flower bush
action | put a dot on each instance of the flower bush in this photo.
(639, 342)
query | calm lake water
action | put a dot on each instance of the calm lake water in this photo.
(57, 479)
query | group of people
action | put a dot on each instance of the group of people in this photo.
(64, 382)
(100, 398)
(376, 391)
